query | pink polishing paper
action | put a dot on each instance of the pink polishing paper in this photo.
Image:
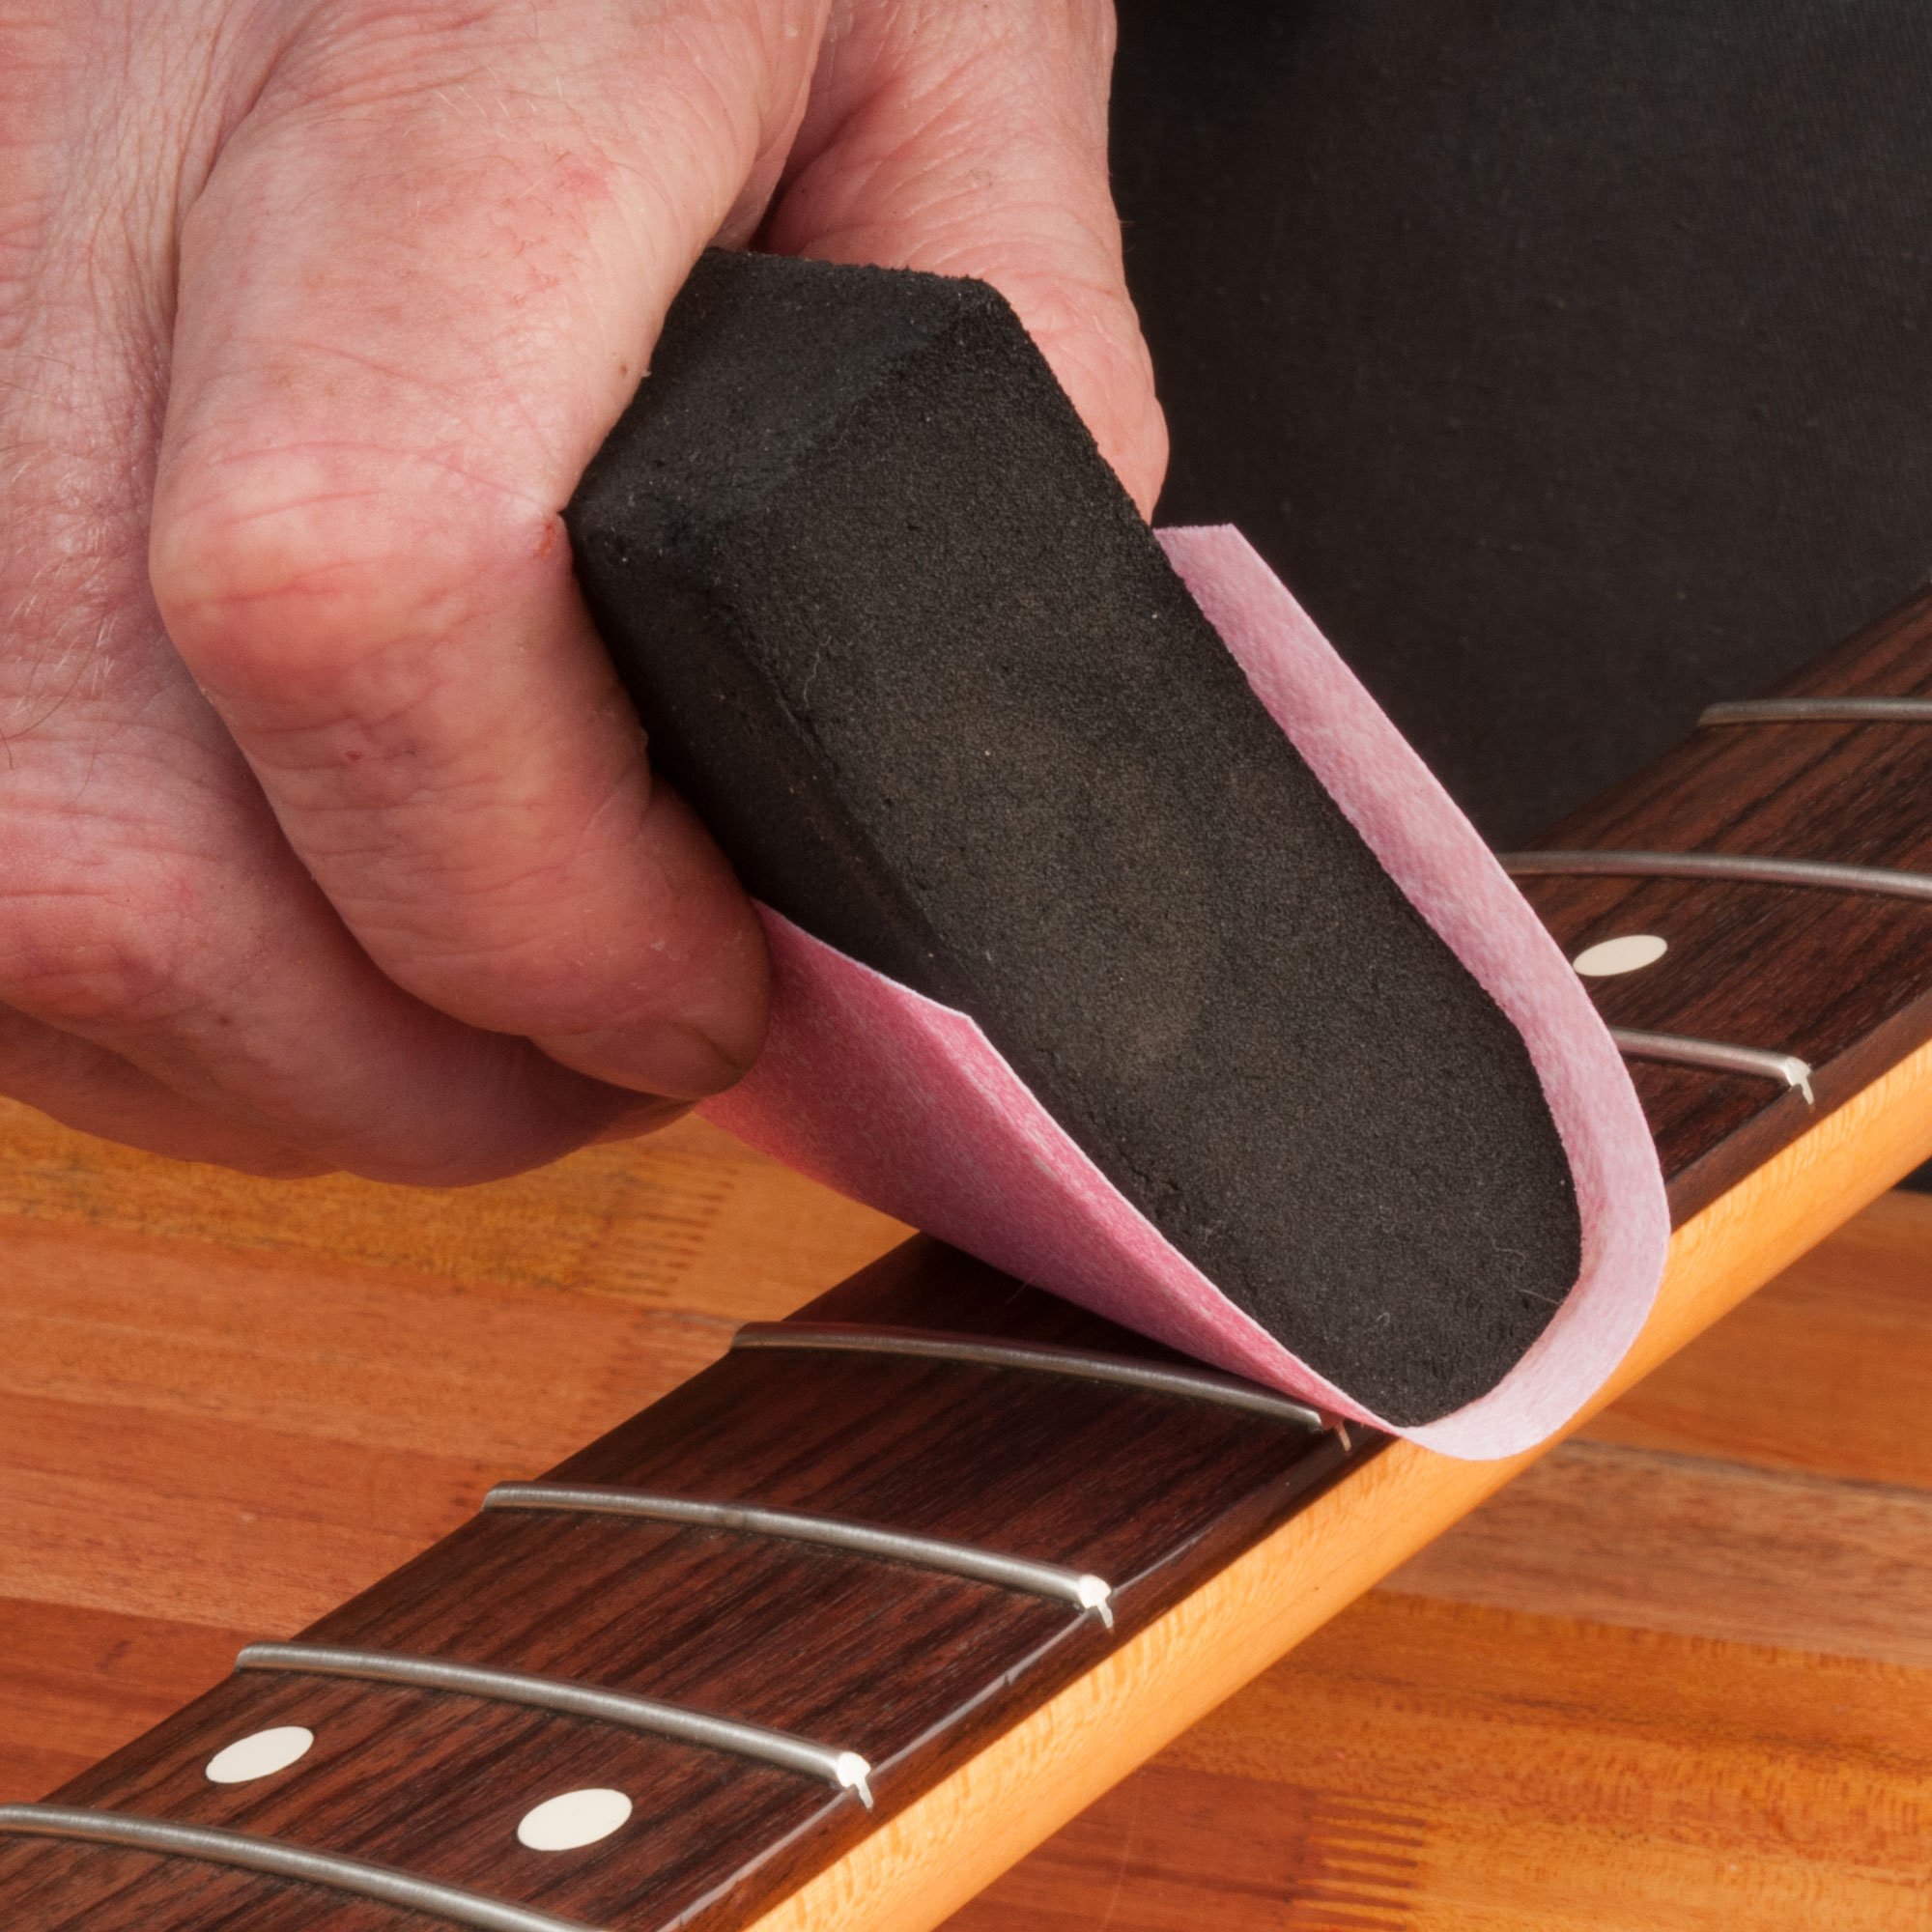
(901, 1102)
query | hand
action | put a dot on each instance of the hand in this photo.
(327, 836)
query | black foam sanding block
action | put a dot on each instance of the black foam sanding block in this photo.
(896, 630)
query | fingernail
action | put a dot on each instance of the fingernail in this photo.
(662, 1058)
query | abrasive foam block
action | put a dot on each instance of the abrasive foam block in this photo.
(897, 633)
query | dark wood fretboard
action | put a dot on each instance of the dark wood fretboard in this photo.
(1842, 979)
(906, 1666)
(859, 1678)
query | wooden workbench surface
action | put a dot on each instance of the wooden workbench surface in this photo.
(1677, 1678)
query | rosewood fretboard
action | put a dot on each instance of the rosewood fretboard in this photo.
(1840, 978)
(761, 1693)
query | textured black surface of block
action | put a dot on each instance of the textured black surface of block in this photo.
(899, 634)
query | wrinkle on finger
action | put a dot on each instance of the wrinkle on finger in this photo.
(390, 369)
(94, 1090)
(150, 910)
(978, 148)
(154, 924)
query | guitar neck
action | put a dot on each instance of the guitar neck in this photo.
(1825, 778)
(848, 1623)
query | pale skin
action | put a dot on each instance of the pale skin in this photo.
(327, 840)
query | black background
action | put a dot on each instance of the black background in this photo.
(1571, 359)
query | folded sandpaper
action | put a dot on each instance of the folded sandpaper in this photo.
(1116, 936)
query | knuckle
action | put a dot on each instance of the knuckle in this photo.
(101, 957)
(281, 574)
(259, 568)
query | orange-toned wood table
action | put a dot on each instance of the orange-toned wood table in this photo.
(1677, 1677)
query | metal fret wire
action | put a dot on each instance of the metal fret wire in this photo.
(276, 1858)
(844, 1768)
(1721, 1056)
(1718, 1056)
(1088, 1593)
(847, 1769)
(936, 1344)
(1084, 1591)
(1820, 711)
(1739, 867)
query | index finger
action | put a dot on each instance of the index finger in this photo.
(409, 312)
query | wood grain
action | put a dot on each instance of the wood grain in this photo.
(1830, 1375)
(1654, 1758)
(227, 1405)
(916, 1669)
(1423, 1763)
(990, 1716)
(1843, 980)
(959, 1836)
(1702, 1546)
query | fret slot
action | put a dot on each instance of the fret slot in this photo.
(1088, 1593)
(845, 1770)
(1163, 1378)
(1717, 1056)
(1820, 711)
(276, 1858)
(1734, 868)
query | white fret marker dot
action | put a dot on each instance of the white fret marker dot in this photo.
(1632, 953)
(573, 1819)
(260, 1756)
